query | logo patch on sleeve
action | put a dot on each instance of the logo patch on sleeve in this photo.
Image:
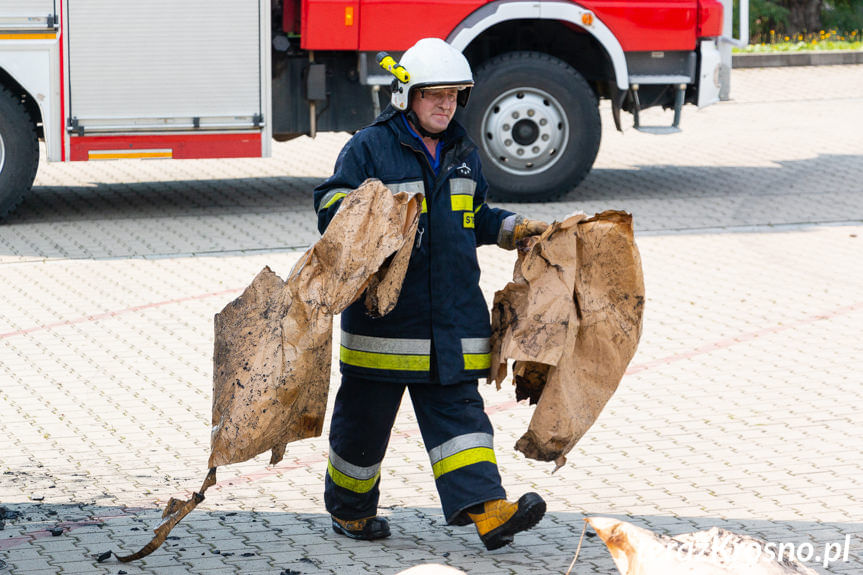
(468, 220)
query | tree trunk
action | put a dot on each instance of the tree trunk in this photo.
(813, 15)
(803, 16)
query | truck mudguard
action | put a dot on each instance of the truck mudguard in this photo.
(503, 10)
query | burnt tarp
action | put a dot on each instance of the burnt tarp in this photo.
(273, 344)
(571, 321)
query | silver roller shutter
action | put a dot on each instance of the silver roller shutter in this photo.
(164, 64)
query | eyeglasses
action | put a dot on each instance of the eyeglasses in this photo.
(440, 96)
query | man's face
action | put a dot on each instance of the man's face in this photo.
(435, 107)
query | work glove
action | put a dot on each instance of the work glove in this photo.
(527, 228)
(515, 228)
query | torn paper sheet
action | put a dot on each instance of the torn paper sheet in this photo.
(271, 363)
(638, 551)
(571, 319)
(272, 349)
(174, 512)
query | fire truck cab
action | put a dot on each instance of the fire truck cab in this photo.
(99, 80)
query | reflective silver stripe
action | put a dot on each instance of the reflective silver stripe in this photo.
(460, 443)
(409, 187)
(327, 200)
(462, 187)
(388, 345)
(475, 345)
(352, 470)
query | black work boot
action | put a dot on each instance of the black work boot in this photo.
(367, 529)
(500, 520)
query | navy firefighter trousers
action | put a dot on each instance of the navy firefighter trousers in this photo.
(455, 429)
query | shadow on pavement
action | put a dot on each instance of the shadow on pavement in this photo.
(212, 217)
(284, 542)
(700, 186)
(822, 174)
(161, 199)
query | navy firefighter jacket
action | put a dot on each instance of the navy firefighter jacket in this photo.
(438, 331)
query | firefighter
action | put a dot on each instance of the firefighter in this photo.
(435, 342)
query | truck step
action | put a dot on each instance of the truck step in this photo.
(658, 130)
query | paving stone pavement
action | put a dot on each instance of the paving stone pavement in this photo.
(741, 408)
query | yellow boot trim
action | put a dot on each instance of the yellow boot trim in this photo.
(353, 525)
(495, 513)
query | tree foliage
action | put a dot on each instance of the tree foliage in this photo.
(792, 17)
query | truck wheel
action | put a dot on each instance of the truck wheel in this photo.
(536, 122)
(19, 152)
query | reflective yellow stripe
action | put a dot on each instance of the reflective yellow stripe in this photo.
(478, 207)
(29, 36)
(463, 459)
(460, 443)
(334, 199)
(477, 360)
(425, 207)
(384, 360)
(128, 155)
(462, 203)
(348, 482)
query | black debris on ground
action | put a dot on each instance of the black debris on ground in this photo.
(103, 556)
(8, 514)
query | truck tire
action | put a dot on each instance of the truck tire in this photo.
(536, 122)
(19, 152)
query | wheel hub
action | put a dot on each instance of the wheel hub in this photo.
(2, 153)
(525, 130)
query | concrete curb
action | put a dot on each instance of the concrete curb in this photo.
(821, 58)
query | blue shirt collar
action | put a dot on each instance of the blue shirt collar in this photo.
(433, 161)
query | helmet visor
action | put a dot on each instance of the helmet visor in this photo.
(436, 86)
(463, 90)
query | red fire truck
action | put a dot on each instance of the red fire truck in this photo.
(100, 79)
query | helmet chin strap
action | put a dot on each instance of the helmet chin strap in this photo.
(412, 116)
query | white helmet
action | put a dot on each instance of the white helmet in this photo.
(432, 63)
